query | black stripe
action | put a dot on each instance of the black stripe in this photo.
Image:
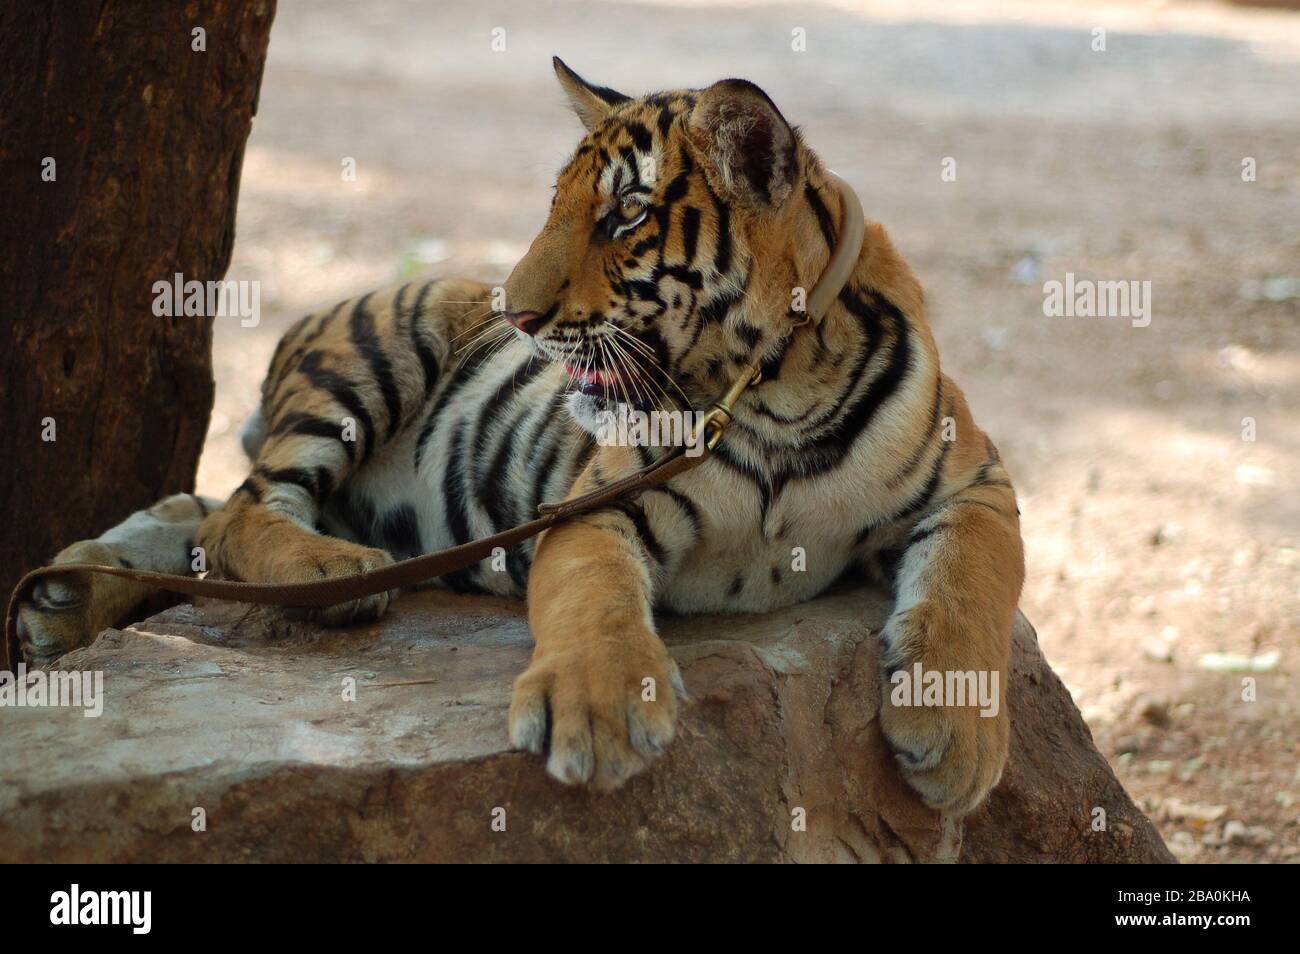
(494, 493)
(365, 340)
(356, 514)
(927, 439)
(748, 334)
(666, 117)
(519, 559)
(464, 373)
(686, 276)
(543, 472)
(400, 532)
(326, 320)
(542, 457)
(399, 306)
(640, 135)
(296, 476)
(716, 310)
(823, 444)
(690, 232)
(275, 371)
(641, 525)
(324, 482)
(677, 189)
(982, 475)
(343, 392)
(308, 339)
(453, 489)
(428, 360)
(772, 366)
(822, 213)
(918, 535)
(766, 492)
(276, 410)
(298, 422)
(456, 502)
(250, 487)
(643, 289)
(922, 499)
(611, 97)
(688, 507)
(882, 387)
(722, 255)
(914, 506)
(888, 558)
(488, 412)
(980, 503)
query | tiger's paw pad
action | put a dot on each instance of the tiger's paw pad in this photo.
(952, 756)
(341, 559)
(53, 622)
(601, 713)
(63, 613)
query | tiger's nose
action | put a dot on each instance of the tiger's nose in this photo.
(526, 321)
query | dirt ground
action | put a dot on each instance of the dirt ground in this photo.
(1158, 533)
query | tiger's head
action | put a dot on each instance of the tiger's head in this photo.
(682, 233)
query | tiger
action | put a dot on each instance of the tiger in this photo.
(425, 416)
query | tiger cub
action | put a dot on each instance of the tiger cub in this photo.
(411, 420)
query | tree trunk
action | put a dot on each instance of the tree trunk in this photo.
(122, 131)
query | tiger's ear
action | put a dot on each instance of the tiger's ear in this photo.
(591, 103)
(751, 146)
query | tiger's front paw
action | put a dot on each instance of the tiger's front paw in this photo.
(256, 544)
(943, 705)
(325, 558)
(952, 755)
(608, 708)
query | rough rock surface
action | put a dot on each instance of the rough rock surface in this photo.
(243, 715)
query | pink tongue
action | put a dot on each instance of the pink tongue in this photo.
(597, 376)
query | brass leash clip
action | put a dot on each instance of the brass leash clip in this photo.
(716, 419)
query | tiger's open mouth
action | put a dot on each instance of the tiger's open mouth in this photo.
(598, 382)
(615, 370)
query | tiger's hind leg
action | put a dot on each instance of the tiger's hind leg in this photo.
(342, 384)
(62, 613)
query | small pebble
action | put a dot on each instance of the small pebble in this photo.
(1166, 533)
(1152, 710)
(1157, 650)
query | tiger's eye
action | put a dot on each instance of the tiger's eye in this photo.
(629, 208)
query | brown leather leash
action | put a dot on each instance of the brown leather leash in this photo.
(344, 589)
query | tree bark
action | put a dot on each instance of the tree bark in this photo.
(121, 144)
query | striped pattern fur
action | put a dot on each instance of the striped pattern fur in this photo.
(681, 233)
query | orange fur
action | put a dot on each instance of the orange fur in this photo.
(743, 218)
